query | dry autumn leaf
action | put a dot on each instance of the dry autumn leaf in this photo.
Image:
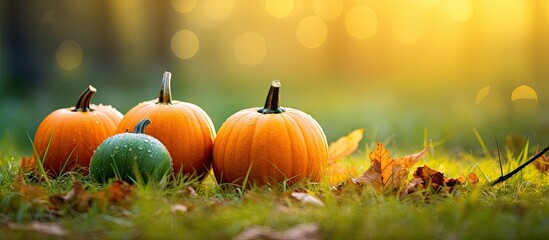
(310, 231)
(119, 193)
(344, 146)
(338, 150)
(428, 178)
(542, 164)
(385, 173)
(35, 195)
(77, 199)
(307, 199)
(28, 163)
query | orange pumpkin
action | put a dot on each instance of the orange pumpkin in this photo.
(184, 128)
(270, 144)
(66, 138)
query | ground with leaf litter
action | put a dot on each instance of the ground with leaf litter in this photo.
(369, 194)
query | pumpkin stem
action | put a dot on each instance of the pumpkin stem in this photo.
(83, 103)
(140, 126)
(165, 89)
(271, 104)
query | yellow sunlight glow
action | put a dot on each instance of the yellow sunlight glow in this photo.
(184, 6)
(250, 48)
(407, 25)
(184, 44)
(217, 9)
(361, 22)
(460, 10)
(69, 55)
(312, 32)
(482, 94)
(279, 8)
(328, 9)
(524, 92)
(427, 3)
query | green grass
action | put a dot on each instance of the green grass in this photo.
(516, 209)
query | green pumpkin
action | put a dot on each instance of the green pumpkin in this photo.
(132, 157)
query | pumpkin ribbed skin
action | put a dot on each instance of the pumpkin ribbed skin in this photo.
(272, 147)
(75, 133)
(184, 128)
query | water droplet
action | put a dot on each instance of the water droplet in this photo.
(140, 147)
(116, 147)
(191, 146)
(146, 140)
(150, 155)
(125, 145)
(97, 122)
(74, 139)
(130, 149)
(148, 150)
(112, 155)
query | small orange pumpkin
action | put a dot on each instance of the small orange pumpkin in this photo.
(184, 128)
(66, 138)
(270, 144)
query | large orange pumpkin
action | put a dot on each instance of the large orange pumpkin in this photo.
(270, 144)
(66, 138)
(184, 128)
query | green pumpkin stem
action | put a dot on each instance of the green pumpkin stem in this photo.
(165, 89)
(83, 103)
(140, 126)
(272, 105)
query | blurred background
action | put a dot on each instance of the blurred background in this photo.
(404, 70)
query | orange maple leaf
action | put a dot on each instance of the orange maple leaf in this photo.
(338, 172)
(542, 164)
(28, 163)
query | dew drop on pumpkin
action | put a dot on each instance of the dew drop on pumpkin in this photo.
(146, 140)
(140, 147)
(97, 122)
(125, 145)
(148, 150)
(150, 155)
(130, 149)
(116, 147)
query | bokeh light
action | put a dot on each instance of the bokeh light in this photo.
(250, 48)
(183, 6)
(482, 94)
(460, 10)
(328, 9)
(524, 92)
(69, 55)
(408, 25)
(312, 32)
(279, 8)
(361, 22)
(217, 9)
(185, 44)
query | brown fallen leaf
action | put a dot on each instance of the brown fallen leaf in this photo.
(118, 193)
(77, 199)
(385, 173)
(307, 199)
(36, 195)
(336, 171)
(179, 208)
(542, 164)
(28, 164)
(308, 231)
(51, 229)
(428, 178)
